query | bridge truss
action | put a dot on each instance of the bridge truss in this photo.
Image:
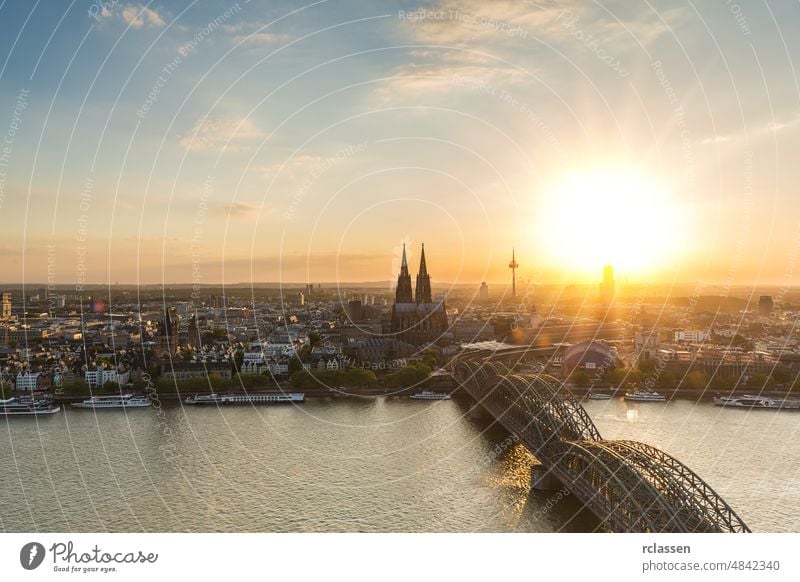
(628, 485)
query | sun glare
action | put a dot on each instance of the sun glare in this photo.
(619, 217)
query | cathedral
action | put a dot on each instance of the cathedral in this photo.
(416, 319)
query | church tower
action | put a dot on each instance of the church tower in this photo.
(403, 292)
(167, 337)
(423, 292)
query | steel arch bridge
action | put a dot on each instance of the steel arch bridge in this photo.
(630, 486)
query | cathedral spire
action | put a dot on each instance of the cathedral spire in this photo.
(403, 291)
(423, 290)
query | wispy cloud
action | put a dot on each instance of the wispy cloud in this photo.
(210, 134)
(240, 210)
(134, 15)
(260, 38)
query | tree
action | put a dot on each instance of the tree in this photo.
(696, 380)
(295, 365)
(782, 375)
(355, 377)
(314, 339)
(739, 341)
(667, 379)
(109, 387)
(759, 381)
(76, 388)
(580, 378)
(614, 376)
(408, 376)
(646, 365)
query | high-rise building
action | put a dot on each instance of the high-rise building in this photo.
(483, 292)
(6, 305)
(765, 305)
(417, 319)
(608, 288)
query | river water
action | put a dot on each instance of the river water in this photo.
(372, 464)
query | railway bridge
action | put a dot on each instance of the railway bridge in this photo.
(630, 486)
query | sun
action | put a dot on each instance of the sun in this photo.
(615, 216)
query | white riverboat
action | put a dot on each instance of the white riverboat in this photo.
(27, 407)
(116, 401)
(645, 396)
(428, 395)
(750, 401)
(598, 396)
(228, 399)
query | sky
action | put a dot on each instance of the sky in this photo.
(225, 142)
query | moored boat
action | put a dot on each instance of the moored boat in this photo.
(645, 396)
(750, 401)
(598, 396)
(428, 395)
(228, 399)
(27, 407)
(115, 401)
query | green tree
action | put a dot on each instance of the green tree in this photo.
(696, 380)
(314, 339)
(295, 365)
(782, 375)
(667, 379)
(759, 381)
(646, 365)
(355, 377)
(739, 341)
(580, 378)
(76, 388)
(408, 376)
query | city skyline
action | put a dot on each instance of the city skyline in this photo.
(581, 135)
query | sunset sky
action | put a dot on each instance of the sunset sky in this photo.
(267, 141)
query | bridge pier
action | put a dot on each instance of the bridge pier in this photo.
(542, 479)
(476, 411)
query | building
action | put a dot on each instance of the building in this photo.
(483, 292)
(29, 381)
(591, 356)
(608, 288)
(691, 336)
(188, 370)
(193, 336)
(100, 376)
(416, 319)
(6, 302)
(765, 305)
(167, 337)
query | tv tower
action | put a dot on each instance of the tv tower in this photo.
(513, 265)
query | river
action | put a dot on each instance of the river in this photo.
(371, 464)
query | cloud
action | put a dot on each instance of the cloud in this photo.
(134, 15)
(240, 210)
(261, 38)
(210, 134)
(139, 16)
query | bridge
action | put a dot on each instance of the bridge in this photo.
(630, 486)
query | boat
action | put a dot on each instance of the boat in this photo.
(27, 407)
(245, 398)
(645, 396)
(116, 401)
(750, 401)
(428, 395)
(598, 396)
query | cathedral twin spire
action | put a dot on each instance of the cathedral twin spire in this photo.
(423, 288)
